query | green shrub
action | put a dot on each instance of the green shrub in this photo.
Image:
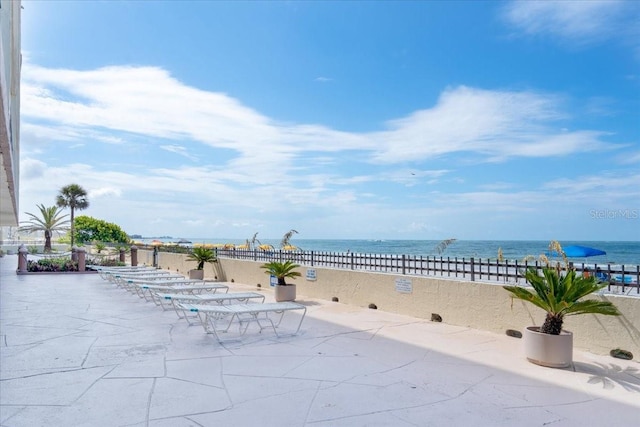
(52, 265)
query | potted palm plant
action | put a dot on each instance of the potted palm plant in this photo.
(201, 255)
(559, 294)
(283, 270)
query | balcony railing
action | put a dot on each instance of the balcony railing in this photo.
(473, 269)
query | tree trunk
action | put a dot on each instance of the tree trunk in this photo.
(72, 228)
(47, 241)
(552, 324)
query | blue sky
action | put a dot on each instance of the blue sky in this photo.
(373, 120)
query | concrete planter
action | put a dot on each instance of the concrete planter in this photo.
(554, 351)
(196, 274)
(285, 293)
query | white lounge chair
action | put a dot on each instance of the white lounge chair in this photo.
(149, 291)
(243, 314)
(234, 297)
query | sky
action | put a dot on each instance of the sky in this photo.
(478, 120)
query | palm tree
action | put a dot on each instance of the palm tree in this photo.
(49, 222)
(74, 197)
(201, 255)
(281, 270)
(558, 295)
(287, 237)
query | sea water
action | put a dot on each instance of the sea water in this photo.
(626, 253)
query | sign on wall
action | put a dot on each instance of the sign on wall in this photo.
(312, 274)
(404, 286)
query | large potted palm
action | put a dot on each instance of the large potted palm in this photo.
(201, 255)
(282, 270)
(558, 293)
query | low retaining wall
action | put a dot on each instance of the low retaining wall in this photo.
(476, 305)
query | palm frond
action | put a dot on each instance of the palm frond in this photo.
(442, 246)
(287, 237)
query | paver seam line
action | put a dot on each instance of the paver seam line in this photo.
(92, 384)
(555, 405)
(86, 356)
(2, 422)
(224, 386)
(151, 391)
(62, 371)
(403, 408)
(91, 321)
(312, 401)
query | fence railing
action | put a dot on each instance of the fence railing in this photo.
(473, 269)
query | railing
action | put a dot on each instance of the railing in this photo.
(473, 269)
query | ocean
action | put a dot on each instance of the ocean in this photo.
(626, 253)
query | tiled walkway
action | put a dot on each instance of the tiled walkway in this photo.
(77, 351)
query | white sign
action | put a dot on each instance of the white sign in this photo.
(404, 286)
(311, 274)
(273, 280)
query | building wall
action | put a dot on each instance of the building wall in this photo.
(10, 64)
(476, 305)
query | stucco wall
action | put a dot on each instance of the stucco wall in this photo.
(477, 305)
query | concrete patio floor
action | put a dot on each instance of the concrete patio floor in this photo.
(78, 351)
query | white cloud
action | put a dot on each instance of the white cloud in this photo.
(256, 174)
(178, 149)
(147, 101)
(495, 124)
(579, 22)
(31, 168)
(104, 192)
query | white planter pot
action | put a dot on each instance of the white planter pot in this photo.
(285, 293)
(196, 274)
(554, 351)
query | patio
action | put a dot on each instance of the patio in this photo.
(76, 350)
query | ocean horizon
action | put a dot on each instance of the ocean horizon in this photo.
(617, 252)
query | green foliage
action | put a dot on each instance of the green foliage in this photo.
(33, 249)
(559, 296)
(90, 229)
(100, 246)
(50, 221)
(52, 265)
(106, 262)
(202, 255)
(281, 270)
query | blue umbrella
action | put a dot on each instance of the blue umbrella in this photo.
(578, 252)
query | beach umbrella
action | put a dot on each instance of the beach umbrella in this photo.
(156, 243)
(577, 251)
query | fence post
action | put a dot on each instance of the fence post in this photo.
(134, 256)
(22, 258)
(82, 259)
(403, 264)
(473, 270)
(122, 256)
